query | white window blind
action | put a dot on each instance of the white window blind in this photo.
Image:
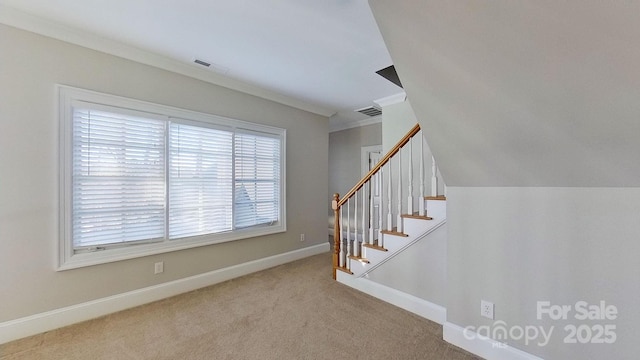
(118, 178)
(140, 179)
(200, 181)
(257, 179)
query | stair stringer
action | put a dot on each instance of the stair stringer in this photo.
(403, 248)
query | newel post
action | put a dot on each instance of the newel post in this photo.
(336, 233)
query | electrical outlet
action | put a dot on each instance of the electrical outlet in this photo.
(158, 267)
(486, 309)
(301, 237)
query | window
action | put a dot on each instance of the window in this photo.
(200, 181)
(141, 178)
(257, 175)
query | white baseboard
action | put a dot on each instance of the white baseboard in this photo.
(50, 320)
(416, 305)
(482, 346)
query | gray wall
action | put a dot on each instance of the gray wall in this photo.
(30, 66)
(345, 156)
(397, 120)
(516, 246)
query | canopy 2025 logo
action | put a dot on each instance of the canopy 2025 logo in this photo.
(583, 311)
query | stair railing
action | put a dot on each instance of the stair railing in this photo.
(366, 221)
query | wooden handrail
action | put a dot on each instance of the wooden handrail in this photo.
(380, 164)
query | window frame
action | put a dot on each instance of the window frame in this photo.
(68, 258)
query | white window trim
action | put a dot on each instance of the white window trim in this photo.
(67, 259)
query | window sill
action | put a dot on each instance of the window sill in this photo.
(70, 261)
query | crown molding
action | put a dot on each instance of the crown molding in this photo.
(390, 100)
(355, 124)
(21, 20)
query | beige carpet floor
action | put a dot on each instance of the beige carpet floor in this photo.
(293, 311)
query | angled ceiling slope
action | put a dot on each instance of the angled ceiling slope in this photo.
(540, 93)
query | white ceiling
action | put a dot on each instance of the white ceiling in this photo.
(321, 52)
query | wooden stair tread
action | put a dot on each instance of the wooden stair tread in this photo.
(394, 232)
(416, 216)
(439, 197)
(343, 269)
(361, 259)
(375, 247)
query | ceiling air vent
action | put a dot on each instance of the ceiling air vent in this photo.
(211, 66)
(370, 111)
(202, 62)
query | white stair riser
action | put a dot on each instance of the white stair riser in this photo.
(436, 208)
(418, 226)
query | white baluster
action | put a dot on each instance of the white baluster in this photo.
(355, 226)
(399, 216)
(389, 205)
(344, 253)
(421, 209)
(365, 229)
(410, 189)
(372, 219)
(380, 206)
(434, 177)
